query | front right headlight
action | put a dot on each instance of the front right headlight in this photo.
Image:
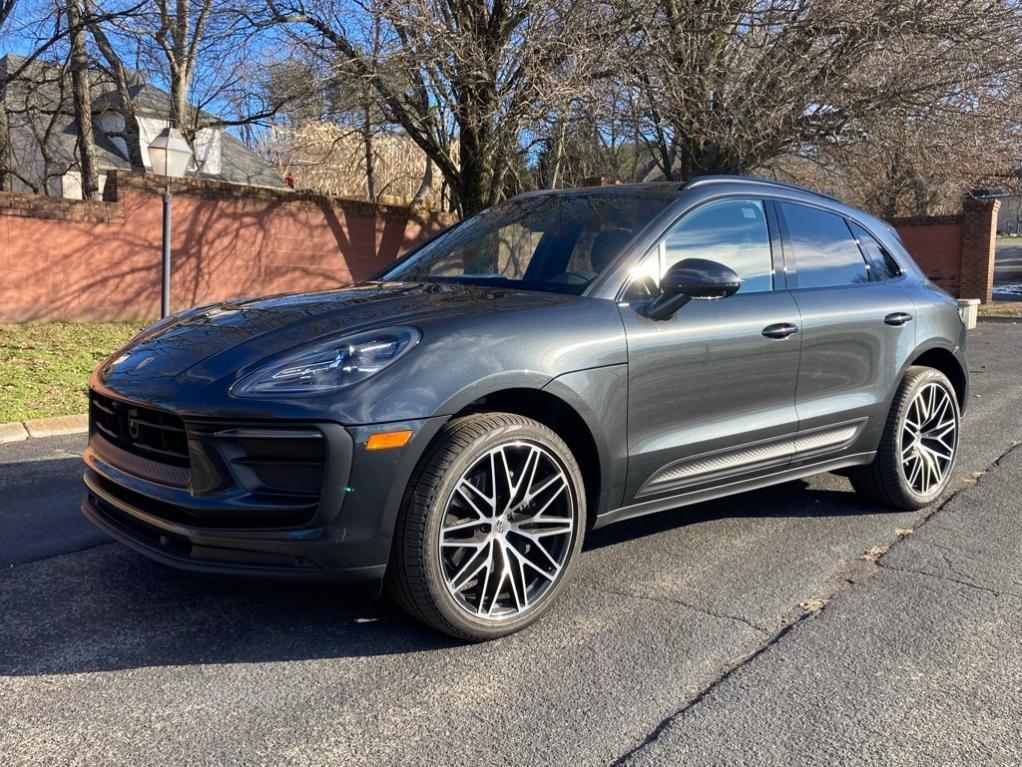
(330, 365)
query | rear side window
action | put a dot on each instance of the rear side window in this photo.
(731, 232)
(825, 253)
(881, 261)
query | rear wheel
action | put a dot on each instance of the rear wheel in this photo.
(489, 527)
(920, 444)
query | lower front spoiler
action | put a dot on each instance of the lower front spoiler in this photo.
(200, 552)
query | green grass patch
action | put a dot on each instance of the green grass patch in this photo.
(1001, 309)
(45, 366)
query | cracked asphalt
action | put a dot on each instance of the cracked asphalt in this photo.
(795, 625)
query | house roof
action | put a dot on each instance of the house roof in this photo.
(148, 99)
(241, 165)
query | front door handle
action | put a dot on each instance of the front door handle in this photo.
(780, 330)
(897, 318)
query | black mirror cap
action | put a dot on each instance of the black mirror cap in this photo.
(700, 278)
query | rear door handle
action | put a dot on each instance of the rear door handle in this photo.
(897, 318)
(780, 330)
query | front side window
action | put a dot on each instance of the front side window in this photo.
(553, 242)
(731, 232)
(881, 261)
(825, 253)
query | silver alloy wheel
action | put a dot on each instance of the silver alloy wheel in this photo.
(929, 438)
(507, 530)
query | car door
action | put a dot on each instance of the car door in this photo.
(709, 394)
(857, 330)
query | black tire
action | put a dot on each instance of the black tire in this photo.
(884, 480)
(415, 575)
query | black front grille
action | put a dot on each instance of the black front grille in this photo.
(151, 434)
(266, 513)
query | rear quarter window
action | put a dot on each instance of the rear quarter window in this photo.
(821, 244)
(882, 263)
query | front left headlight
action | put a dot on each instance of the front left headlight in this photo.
(331, 365)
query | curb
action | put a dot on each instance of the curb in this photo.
(1001, 320)
(19, 431)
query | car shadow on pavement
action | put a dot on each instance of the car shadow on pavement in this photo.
(108, 608)
(790, 499)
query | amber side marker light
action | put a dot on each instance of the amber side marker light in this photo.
(385, 440)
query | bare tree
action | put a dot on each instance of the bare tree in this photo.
(902, 104)
(114, 66)
(593, 139)
(732, 84)
(41, 91)
(179, 35)
(200, 48)
(464, 80)
(918, 164)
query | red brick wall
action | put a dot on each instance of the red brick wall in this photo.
(935, 243)
(62, 259)
(956, 252)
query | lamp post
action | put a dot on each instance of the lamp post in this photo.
(169, 154)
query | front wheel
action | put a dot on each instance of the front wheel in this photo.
(490, 525)
(919, 446)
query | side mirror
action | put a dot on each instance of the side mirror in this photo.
(691, 278)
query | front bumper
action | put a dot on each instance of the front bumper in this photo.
(201, 521)
(190, 549)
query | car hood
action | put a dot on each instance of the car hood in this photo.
(210, 342)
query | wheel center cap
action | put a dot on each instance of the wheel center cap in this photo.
(502, 526)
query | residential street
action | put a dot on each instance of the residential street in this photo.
(791, 626)
(1008, 271)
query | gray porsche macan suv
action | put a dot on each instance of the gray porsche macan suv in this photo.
(559, 362)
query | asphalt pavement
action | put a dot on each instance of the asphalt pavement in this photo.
(794, 625)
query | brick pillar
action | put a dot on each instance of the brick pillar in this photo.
(979, 236)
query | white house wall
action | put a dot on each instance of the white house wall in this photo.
(208, 145)
(148, 129)
(70, 185)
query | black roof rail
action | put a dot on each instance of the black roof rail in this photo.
(701, 180)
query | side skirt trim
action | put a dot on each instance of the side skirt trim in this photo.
(731, 488)
(762, 455)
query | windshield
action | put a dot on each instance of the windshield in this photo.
(554, 242)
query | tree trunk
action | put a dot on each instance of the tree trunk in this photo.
(82, 97)
(555, 176)
(180, 66)
(472, 186)
(702, 158)
(178, 100)
(5, 145)
(425, 184)
(922, 196)
(475, 173)
(126, 105)
(6, 175)
(367, 143)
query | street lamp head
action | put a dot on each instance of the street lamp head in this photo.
(169, 153)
